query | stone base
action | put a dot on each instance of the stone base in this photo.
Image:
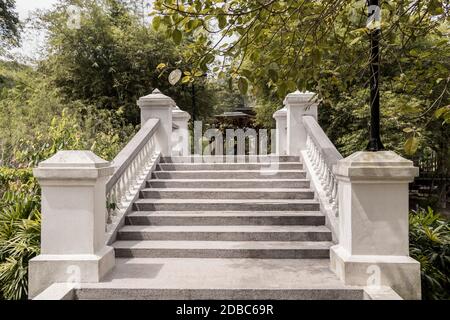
(45, 270)
(401, 273)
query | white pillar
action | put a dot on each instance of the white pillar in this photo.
(181, 135)
(281, 131)
(298, 104)
(373, 247)
(159, 106)
(73, 247)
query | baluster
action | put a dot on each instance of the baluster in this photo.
(123, 190)
(328, 186)
(324, 172)
(316, 159)
(308, 145)
(333, 189)
(335, 197)
(128, 181)
(319, 165)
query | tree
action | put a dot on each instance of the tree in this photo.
(111, 58)
(9, 23)
(280, 46)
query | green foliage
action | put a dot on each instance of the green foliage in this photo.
(323, 46)
(10, 177)
(9, 24)
(44, 123)
(264, 113)
(430, 245)
(20, 222)
(113, 59)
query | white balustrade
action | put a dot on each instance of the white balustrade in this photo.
(132, 165)
(323, 156)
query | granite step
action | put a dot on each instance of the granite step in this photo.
(225, 205)
(227, 279)
(225, 233)
(229, 159)
(230, 174)
(179, 218)
(228, 183)
(223, 249)
(229, 166)
(226, 193)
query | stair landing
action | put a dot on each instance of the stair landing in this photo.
(264, 279)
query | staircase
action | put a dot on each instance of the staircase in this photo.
(209, 230)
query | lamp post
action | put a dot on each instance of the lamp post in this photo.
(375, 143)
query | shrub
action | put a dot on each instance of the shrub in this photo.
(430, 245)
(20, 221)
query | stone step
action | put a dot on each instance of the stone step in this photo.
(228, 183)
(229, 159)
(226, 193)
(225, 233)
(177, 218)
(225, 205)
(229, 166)
(224, 279)
(223, 249)
(230, 174)
(217, 294)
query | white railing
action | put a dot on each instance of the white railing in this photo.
(323, 155)
(131, 168)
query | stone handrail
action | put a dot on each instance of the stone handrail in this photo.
(131, 167)
(324, 156)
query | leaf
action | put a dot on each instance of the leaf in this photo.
(186, 79)
(411, 146)
(243, 85)
(246, 73)
(161, 66)
(355, 41)
(408, 130)
(273, 75)
(222, 21)
(316, 56)
(441, 111)
(156, 22)
(198, 73)
(177, 36)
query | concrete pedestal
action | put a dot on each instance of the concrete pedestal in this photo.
(159, 106)
(281, 133)
(373, 247)
(73, 224)
(298, 104)
(180, 136)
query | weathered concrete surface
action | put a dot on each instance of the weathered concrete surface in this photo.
(173, 278)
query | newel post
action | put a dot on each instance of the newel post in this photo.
(159, 106)
(73, 205)
(180, 136)
(373, 247)
(281, 131)
(298, 104)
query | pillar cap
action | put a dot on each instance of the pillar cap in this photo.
(382, 165)
(282, 113)
(73, 165)
(177, 113)
(156, 99)
(302, 98)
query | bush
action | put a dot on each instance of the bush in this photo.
(430, 245)
(20, 222)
